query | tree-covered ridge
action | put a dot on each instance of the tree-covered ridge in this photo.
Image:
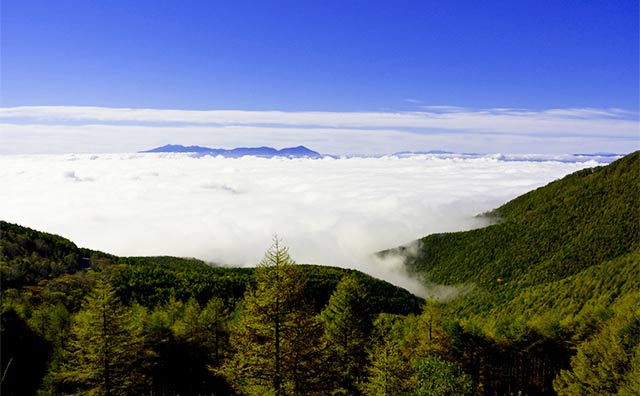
(31, 258)
(548, 234)
(576, 301)
(550, 281)
(162, 325)
(152, 280)
(27, 255)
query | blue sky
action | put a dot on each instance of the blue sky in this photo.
(325, 56)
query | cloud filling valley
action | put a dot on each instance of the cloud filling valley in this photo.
(328, 211)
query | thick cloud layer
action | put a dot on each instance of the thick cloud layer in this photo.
(328, 211)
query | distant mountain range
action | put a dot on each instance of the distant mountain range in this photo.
(603, 158)
(433, 152)
(304, 152)
(290, 152)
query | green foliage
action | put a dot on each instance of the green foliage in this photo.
(182, 324)
(389, 371)
(437, 377)
(554, 292)
(382, 296)
(546, 277)
(277, 340)
(153, 280)
(348, 323)
(27, 256)
(103, 356)
(410, 357)
(606, 363)
(389, 358)
(183, 340)
(576, 302)
(584, 219)
(518, 359)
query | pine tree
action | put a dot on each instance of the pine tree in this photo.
(277, 339)
(348, 325)
(425, 333)
(435, 376)
(187, 340)
(102, 354)
(390, 371)
(214, 322)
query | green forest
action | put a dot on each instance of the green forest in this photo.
(548, 304)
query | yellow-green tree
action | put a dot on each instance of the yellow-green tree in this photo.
(348, 324)
(214, 322)
(607, 362)
(104, 352)
(403, 352)
(277, 339)
(435, 376)
(390, 371)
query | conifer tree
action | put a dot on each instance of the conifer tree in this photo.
(389, 371)
(277, 339)
(103, 351)
(348, 324)
(214, 321)
(435, 376)
(606, 363)
(187, 340)
(425, 333)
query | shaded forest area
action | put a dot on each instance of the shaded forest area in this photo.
(551, 306)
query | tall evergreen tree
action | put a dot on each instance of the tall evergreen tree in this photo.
(184, 338)
(214, 322)
(277, 339)
(103, 352)
(402, 342)
(389, 371)
(348, 325)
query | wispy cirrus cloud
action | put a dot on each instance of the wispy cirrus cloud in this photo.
(436, 127)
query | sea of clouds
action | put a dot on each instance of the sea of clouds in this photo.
(333, 211)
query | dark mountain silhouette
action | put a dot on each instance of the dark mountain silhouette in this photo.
(263, 151)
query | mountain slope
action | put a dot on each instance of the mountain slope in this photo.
(546, 235)
(554, 286)
(29, 257)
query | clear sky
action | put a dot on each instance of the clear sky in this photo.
(380, 57)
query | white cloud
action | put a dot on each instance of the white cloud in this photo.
(329, 211)
(58, 139)
(566, 121)
(49, 129)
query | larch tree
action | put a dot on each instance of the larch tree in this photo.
(435, 376)
(214, 321)
(390, 371)
(277, 340)
(607, 362)
(348, 324)
(102, 355)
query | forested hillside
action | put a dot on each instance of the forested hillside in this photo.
(50, 287)
(545, 235)
(551, 305)
(560, 265)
